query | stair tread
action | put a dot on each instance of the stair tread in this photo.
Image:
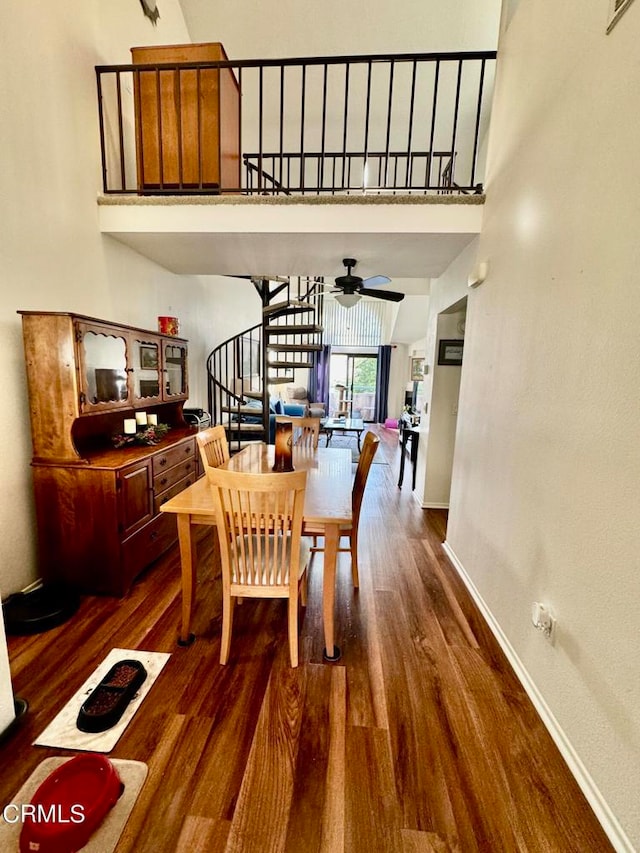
(294, 347)
(289, 307)
(242, 427)
(244, 410)
(275, 329)
(279, 380)
(294, 364)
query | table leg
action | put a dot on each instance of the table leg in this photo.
(331, 539)
(329, 436)
(403, 448)
(188, 570)
(359, 434)
(414, 460)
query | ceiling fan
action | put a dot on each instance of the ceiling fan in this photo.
(351, 287)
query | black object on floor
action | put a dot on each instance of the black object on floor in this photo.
(39, 610)
(108, 702)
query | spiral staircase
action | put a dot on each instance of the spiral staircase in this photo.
(245, 370)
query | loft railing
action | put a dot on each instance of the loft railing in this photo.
(404, 123)
(315, 172)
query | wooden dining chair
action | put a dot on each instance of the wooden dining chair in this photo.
(213, 446)
(369, 448)
(306, 431)
(259, 521)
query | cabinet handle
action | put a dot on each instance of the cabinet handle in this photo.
(187, 450)
(154, 535)
(163, 481)
(188, 466)
(163, 461)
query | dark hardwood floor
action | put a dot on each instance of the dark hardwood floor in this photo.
(419, 739)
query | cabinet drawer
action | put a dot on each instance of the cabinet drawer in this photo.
(174, 490)
(172, 456)
(147, 545)
(167, 478)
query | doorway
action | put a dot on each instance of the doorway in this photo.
(443, 406)
(352, 385)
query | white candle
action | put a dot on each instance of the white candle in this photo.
(152, 420)
(141, 418)
(129, 426)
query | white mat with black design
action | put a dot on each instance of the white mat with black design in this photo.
(63, 733)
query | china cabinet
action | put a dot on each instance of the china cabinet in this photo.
(98, 506)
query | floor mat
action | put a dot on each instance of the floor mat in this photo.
(132, 774)
(63, 732)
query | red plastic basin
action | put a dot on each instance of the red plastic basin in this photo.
(70, 805)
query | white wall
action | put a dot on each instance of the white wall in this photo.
(7, 711)
(546, 485)
(441, 417)
(435, 449)
(278, 28)
(52, 256)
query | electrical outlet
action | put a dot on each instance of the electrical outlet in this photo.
(544, 620)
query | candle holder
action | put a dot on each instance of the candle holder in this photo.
(150, 434)
(284, 448)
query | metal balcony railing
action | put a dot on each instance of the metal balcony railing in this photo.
(404, 123)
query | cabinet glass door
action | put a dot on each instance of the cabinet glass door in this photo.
(145, 360)
(175, 370)
(103, 368)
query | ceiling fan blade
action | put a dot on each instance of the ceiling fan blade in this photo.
(374, 280)
(391, 295)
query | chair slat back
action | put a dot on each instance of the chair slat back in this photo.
(306, 431)
(213, 446)
(259, 518)
(369, 447)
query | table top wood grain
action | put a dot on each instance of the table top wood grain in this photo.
(328, 492)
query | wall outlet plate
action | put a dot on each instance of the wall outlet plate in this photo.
(544, 620)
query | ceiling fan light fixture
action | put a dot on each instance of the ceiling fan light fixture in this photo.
(348, 300)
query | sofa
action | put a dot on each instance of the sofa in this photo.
(277, 407)
(298, 395)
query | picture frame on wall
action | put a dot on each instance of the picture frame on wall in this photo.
(617, 8)
(450, 352)
(417, 369)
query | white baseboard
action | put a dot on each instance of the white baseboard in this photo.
(605, 816)
(434, 505)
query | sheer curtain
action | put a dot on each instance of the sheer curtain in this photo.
(382, 383)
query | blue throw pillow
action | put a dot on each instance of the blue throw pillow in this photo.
(279, 407)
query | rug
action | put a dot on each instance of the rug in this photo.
(104, 840)
(63, 733)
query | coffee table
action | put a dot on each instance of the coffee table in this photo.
(331, 425)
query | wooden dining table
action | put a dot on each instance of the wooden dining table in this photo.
(327, 506)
